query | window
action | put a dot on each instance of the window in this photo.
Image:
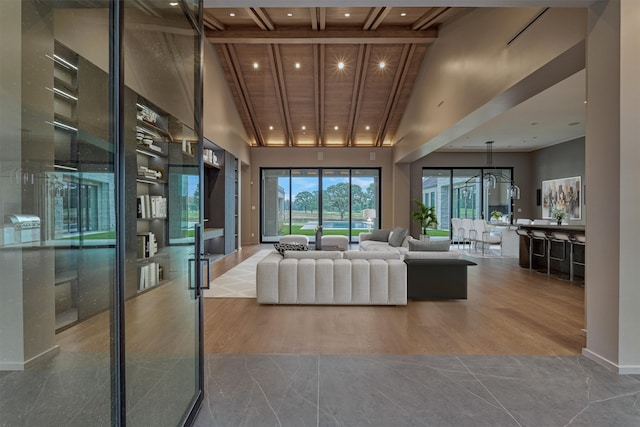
(296, 201)
(465, 193)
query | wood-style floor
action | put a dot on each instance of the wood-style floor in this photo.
(509, 310)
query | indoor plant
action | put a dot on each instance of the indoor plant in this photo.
(558, 214)
(426, 216)
(496, 216)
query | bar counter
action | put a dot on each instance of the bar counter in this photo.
(557, 267)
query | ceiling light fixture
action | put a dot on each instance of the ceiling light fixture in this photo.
(289, 14)
(255, 65)
(403, 14)
(173, 3)
(367, 127)
(297, 65)
(347, 15)
(382, 64)
(232, 14)
(340, 65)
(335, 127)
(304, 128)
(270, 127)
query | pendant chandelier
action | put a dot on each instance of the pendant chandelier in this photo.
(491, 177)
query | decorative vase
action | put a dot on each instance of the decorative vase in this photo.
(559, 222)
(318, 240)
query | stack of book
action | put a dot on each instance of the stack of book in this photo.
(210, 156)
(150, 275)
(152, 207)
(147, 245)
(149, 173)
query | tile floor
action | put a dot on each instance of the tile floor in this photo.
(378, 390)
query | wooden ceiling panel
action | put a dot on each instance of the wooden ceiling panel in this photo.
(260, 86)
(300, 86)
(405, 93)
(339, 86)
(412, 14)
(241, 18)
(379, 83)
(357, 16)
(300, 16)
(276, 99)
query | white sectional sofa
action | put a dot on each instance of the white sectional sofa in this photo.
(332, 277)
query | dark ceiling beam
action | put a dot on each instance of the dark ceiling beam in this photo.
(376, 17)
(281, 91)
(313, 12)
(211, 22)
(261, 18)
(322, 18)
(358, 90)
(238, 79)
(322, 37)
(394, 94)
(428, 19)
(318, 90)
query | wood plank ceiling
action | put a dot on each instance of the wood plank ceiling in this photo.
(324, 76)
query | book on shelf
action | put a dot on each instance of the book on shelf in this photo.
(147, 245)
(149, 207)
(149, 275)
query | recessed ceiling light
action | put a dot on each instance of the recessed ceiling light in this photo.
(232, 14)
(534, 123)
(335, 127)
(382, 64)
(367, 127)
(289, 14)
(297, 65)
(347, 15)
(173, 3)
(255, 65)
(403, 14)
(270, 127)
(340, 65)
(304, 128)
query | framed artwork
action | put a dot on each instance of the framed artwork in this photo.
(563, 193)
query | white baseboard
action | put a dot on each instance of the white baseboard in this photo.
(21, 366)
(622, 370)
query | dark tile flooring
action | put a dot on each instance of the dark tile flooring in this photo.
(378, 390)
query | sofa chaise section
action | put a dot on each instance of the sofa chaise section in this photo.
(322, 278)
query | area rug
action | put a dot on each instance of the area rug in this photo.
(239, 282)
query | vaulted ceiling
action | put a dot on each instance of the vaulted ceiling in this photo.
(323, 76)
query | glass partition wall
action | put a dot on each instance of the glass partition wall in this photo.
(99, 307)
(297, 201)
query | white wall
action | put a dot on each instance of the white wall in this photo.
(470, 75)
(612, 156)
(221, 122)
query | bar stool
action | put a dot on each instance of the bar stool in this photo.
(541, 236)
(525, 233)
(557, 237)
(581, 240)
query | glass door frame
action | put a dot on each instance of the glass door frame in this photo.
(377, 206)
(117, 135)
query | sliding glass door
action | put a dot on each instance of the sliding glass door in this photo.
(336, 201)
(471, 193)
(297, 201)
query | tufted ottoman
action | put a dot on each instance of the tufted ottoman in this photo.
(334, 243)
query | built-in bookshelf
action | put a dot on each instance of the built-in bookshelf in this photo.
(220, 200)
(152, 154)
